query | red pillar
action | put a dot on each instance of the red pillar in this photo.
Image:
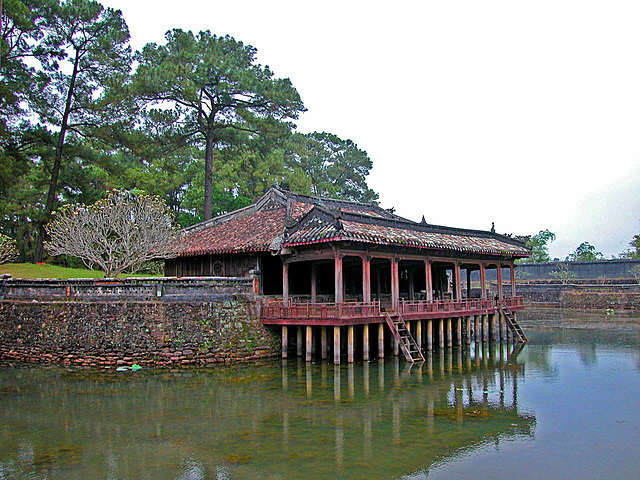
(366, 278)
(429, 283)
(314, 283)
(456, 281)
(513, 279)
(395, 285)
(285, 283)
(499, 275)
(483, 281)
(339, 290)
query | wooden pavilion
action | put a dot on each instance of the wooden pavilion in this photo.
(324, 265)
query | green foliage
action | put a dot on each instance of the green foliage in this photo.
(563, 273)
(211, 92)
(585, 253)
(41, 270)
(333, 167)
(539, 246)
(634, 250)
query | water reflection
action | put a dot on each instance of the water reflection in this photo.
(288, 419)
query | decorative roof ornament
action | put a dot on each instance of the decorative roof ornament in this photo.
(493, 227)
(423, 221)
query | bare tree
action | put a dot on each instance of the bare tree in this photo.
(563, 273)
(124, 230)
(8, 250)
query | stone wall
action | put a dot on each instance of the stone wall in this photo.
(581, 295)
(115, 333)
(619, 268)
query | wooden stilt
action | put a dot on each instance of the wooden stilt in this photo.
(350, 344)
(336, 345)
(285, 341)
(323, 342)
(476, 332)
(307, 353)
(458, 331)
(429, 335)
(365, 342)
(381, 340)
(468, 330)
(299, 341)
(441, 333)
(419, 334)
(449, 334)
(485, 328)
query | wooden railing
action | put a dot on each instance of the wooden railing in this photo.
(417, 307)
(322, 310)
(513, 302)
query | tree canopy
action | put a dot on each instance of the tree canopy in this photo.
(539, 246)
(196, 120)
(585, 252)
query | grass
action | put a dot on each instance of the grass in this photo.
(30, 270)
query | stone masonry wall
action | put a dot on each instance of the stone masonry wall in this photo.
(114, 333)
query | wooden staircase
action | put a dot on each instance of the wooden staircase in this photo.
(513, 325)
(404, 338)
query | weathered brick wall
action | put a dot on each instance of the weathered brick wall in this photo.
(582, 296)
(103, 333)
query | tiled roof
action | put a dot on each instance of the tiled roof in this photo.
(315, 220)
(251, 233)
(319, 230)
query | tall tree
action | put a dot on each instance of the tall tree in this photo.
(585, 253)
(336, 167)
(93, 41)
(539, 246)
(215, 90)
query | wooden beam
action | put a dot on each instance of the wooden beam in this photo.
(457, 281)
(483, 281)
(395, 285)
(499, 276)
(513, 279)
(429, 279)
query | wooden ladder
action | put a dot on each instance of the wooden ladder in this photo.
(404, 338)
(513, 325)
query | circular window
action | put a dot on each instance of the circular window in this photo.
(217, 268)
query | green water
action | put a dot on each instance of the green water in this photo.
(566, 406)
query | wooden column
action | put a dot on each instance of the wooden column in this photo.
(493, 326)
(457, 281)
(459, 331)
(412, 287)
(314, 282)
(307, 353)
(299, 340)
(381, 340)
(365, 342)
(285, 341)
(449, 334)
(485, 327)
(512, 269)
(419, 334)
(429, 335)
(366, 278)
(339, 285)
(395, 285)
(441, 333)
(336, 345)
(483, 281)
(499, 276)
(323, 342)
(476, 332)
(468, 283)
(285, 284)
(350, 344)
(429, 279)
(468, 329)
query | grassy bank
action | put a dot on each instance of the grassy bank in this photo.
(30, 270)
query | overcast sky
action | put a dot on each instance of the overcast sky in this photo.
(526, 114)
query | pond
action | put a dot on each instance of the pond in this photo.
(564, 406)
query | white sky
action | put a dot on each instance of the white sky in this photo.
(522, 113)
